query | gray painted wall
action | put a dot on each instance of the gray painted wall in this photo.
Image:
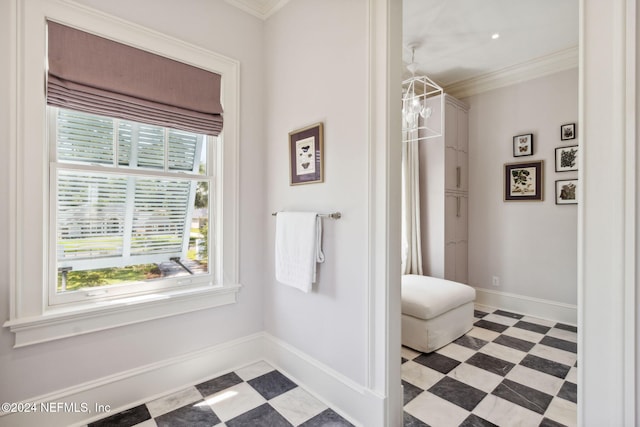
(531, 246)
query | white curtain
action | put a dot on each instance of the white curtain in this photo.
(411, 244)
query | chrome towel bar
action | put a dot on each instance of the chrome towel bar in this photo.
(333, 215)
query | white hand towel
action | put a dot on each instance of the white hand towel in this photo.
(298, 248)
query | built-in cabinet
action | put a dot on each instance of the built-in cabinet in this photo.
(444, 196)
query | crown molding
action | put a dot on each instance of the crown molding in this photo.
(262, 9)
(559, 61)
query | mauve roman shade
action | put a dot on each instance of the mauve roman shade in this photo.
(96, 75)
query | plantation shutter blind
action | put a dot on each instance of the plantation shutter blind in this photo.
(94, 229)
(100, 76)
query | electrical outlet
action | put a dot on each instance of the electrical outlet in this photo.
(496, 281)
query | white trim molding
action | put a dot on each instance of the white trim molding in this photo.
(607, 214)
(262, 9)
(539, 67)
(134, 387)
(13, 153)
(358, 404)
(384, 159)
(535, 307)
(123, 390)
(97, 317)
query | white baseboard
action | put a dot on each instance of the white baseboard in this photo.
(120, 391)
(140, 385)
(535, 307)
(359, 405)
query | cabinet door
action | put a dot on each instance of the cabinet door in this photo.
(462, 220)
(463, 149)
(450, 217)
(461, 262)
(456, 222)
(451, 178)
(450, 261)
(462, 130)
(451, 125)
(455, 238)
(462, 165)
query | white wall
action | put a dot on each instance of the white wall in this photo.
(317, 71)
(43, 368)
(530, 246)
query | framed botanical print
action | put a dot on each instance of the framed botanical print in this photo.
(566, 192)
(567, 158)
(524, 181)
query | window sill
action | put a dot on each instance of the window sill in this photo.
(62, 323)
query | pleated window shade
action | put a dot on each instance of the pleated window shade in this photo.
(96, 75)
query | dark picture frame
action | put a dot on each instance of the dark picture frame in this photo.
(523, 145)
(567, 192)
(567, 158)
(524, 181)
(306, 155)
(568, 131)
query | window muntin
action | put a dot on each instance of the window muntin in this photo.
(128, 198)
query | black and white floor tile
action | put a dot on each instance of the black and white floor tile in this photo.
(255, 396)
(509, 370)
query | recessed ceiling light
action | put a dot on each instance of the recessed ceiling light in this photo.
(495, 36)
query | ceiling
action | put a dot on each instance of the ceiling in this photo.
(454, 42)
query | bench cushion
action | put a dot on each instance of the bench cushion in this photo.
(426, 297)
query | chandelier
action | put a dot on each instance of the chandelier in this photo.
(422, 106)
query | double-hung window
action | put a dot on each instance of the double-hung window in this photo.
(129, 173)
(130, 206)
(126, 208)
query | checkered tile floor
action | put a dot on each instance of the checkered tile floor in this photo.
(255, 396)
(509, 370)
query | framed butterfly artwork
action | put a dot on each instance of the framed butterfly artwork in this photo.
(568, 131)
(523, 145)
(306, 156)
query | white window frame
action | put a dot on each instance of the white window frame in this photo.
(32, 319)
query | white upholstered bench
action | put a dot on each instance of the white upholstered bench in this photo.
(434, 311)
